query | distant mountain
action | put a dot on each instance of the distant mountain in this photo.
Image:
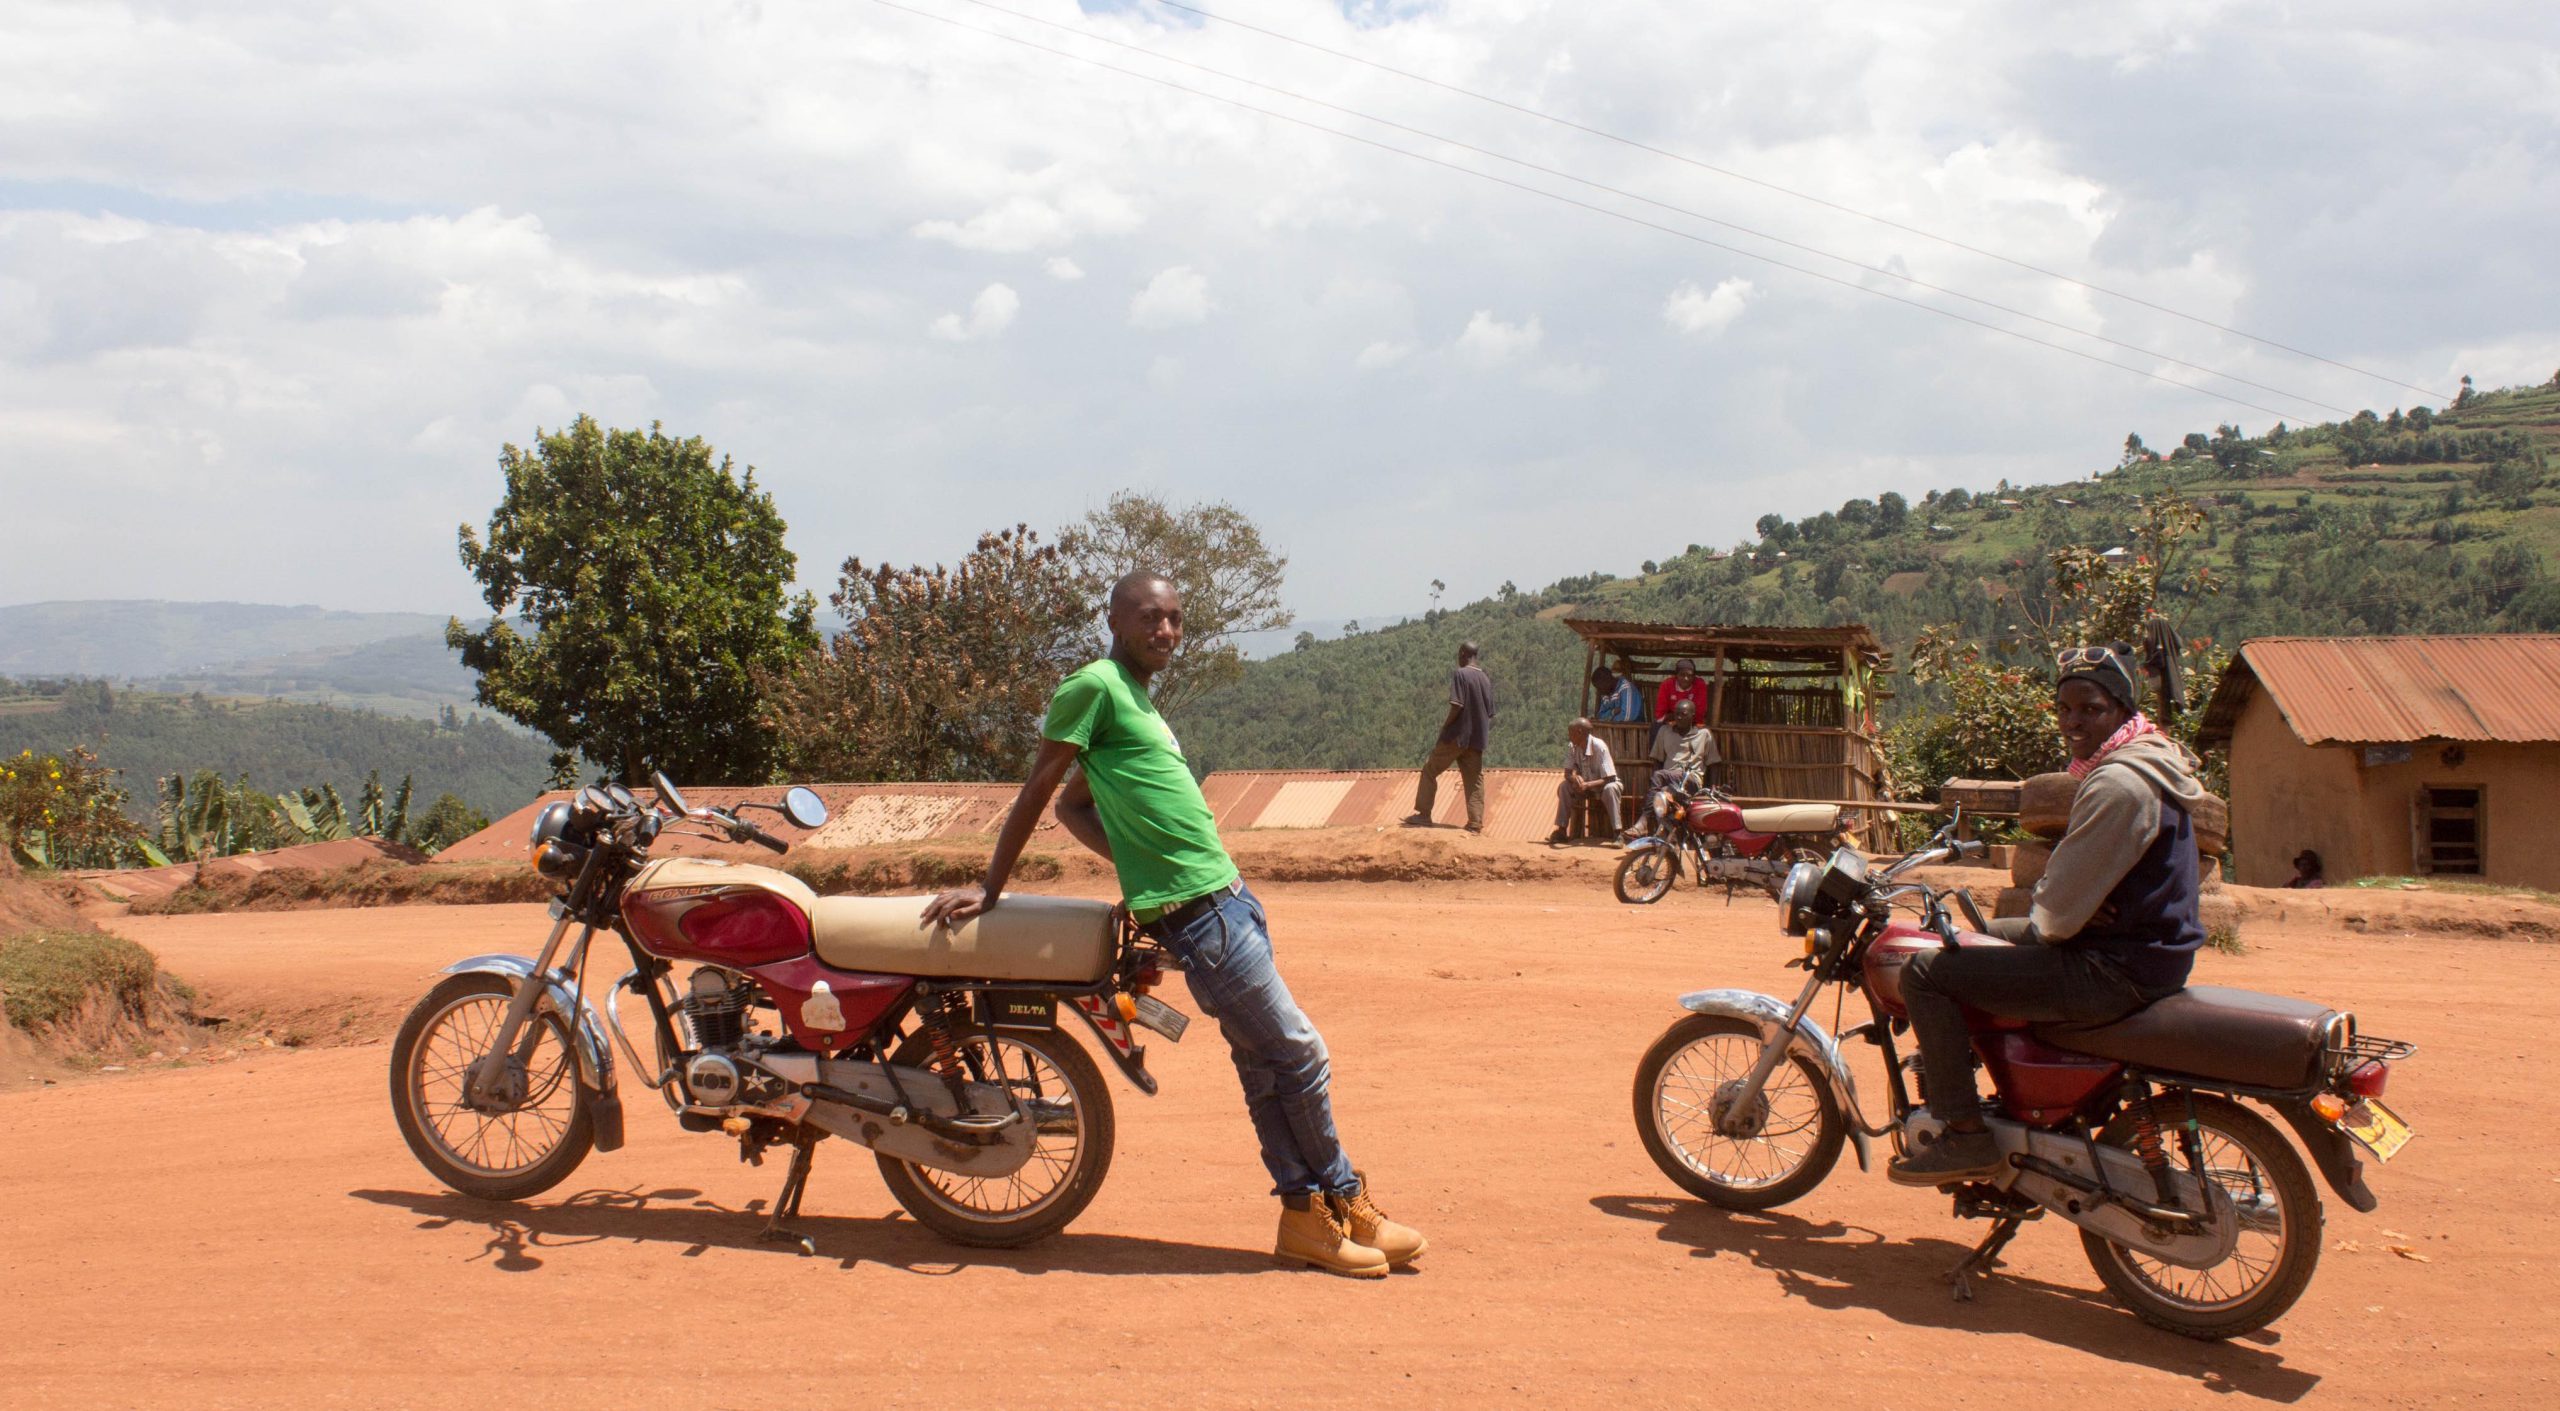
(2422, 520)
(394, 662)
(279, 745)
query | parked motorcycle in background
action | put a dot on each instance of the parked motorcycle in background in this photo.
(800, 1017)
(1716, 840)
(2194, 1210)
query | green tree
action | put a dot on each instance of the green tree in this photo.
(940, 673)
(657, 586)
(1230, 582)
(447, 821)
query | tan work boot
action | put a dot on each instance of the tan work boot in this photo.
(1313, 1232)
(1401, 1244)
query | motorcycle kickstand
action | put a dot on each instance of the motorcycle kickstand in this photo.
(786, 1206)
(1984, 1258)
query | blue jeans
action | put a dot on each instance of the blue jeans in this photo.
(1225, 952)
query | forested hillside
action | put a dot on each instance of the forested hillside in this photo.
(278, 745)
(2410, 521)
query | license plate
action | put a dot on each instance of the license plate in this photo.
(1162, 1017)
(2377, 1127)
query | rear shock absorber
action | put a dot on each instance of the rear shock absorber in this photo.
(2147, 1144)
(942, 1015)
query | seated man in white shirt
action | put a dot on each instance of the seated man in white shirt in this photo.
(1590, 774)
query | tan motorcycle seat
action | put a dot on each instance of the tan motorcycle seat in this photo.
(1056, 940)
(1792, 818)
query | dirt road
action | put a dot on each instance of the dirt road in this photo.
(253, 1233)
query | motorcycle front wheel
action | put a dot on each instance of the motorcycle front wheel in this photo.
(518, 1147)
(1070, 1154)
(2280, 1219)
(1645, 875)
(1774, 1151)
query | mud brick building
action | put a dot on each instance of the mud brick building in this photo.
(2394, 756)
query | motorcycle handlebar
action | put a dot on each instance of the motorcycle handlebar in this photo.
(758, 836)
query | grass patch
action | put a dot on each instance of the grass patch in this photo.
(2453, 887)
(48, 977)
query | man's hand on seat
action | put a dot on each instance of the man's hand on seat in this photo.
(955, 906)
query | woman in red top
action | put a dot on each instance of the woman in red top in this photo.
(1683, 683)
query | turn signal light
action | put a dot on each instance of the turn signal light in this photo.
(2329, 1107)
(1128, 1005)
(2370, 1078)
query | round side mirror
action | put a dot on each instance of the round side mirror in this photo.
(668, 793)
(802, 808)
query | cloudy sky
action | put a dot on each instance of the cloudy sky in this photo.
(277, 280)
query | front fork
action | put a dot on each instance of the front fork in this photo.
(491, 1085)
(1773, 1051)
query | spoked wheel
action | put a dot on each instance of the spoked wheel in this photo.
(534, 1132)
(1740, 1157)
(1070, 1153)
(1644, 876)
(2279, 1237)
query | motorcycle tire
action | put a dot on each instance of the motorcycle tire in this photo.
(1645, 876)
(433, 1044)
(950, 1205)
(1736, 1044)
(2255, 1163)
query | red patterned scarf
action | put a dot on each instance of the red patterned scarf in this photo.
(2132, 730)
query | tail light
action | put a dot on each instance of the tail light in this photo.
(1148, 977)
(2369, 1078)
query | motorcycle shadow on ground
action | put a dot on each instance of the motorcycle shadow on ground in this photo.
(1834, 1265)
(517, 1233)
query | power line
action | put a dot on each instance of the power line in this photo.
(1728, 172)
(1563, 175)
(1673, 231)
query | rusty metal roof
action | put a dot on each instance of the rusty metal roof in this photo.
(1675, 639)
(2389, 690)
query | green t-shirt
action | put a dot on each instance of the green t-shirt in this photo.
(1164, 840)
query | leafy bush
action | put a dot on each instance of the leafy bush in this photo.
(64, 810)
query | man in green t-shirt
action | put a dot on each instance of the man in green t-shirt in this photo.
(1136, 803)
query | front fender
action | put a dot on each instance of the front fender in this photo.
(1650, 843)
(594, 1053)
(1810, 1043)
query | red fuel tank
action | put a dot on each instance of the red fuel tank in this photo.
(1708, 816)
(734, 916)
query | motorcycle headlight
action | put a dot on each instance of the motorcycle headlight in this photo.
(1795, 897)
(551, 823)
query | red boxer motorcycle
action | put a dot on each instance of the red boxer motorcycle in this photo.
(2194, 1211)
(798, 1017)
(1716, 840)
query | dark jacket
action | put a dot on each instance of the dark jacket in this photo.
(2129, 855)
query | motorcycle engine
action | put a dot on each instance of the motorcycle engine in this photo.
(715, 1010)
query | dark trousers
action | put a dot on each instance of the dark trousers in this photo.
(2041, 983)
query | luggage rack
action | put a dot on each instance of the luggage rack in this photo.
(2360, 1049)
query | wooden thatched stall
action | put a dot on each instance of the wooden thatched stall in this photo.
(1793, 708)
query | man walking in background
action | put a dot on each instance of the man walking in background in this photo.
(1590, 775)
(1463, 736)
(1136, 803)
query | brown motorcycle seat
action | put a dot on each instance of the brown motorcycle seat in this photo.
(1792, 818)
(2236, 1036)
(1057, 940)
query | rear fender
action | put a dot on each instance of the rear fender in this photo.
(1810, 1043)
(2332, 1151)
(594, 1053)
(1126, 1052)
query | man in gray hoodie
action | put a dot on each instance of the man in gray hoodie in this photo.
(2114, 924)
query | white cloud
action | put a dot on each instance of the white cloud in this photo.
(1382, 354)
(1489, 342)
(1062, 268)
(990, 313)
(1697, 311)
(1176, 296)
(1023, 221)
(1569, 379)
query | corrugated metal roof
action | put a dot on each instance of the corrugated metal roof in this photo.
(2388, 690)
(1676, 639)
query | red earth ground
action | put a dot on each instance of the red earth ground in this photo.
(252, 1233)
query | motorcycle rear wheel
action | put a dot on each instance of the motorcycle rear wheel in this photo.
(1800, 1125)
(1645, 876)
(509, 1155)
(2279, 1234)
(1070, 1156)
